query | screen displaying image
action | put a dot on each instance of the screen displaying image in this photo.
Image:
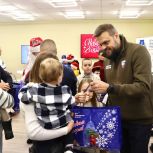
(24, 54)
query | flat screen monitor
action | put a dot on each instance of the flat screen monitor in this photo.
(24, 54)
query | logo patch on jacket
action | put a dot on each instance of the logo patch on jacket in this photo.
(108, 67)
(123, 63)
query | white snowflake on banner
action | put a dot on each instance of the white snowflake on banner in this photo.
(106, 128)
(114, 111)
(114, 119)
(102, 141)
(110, 135)
(101, 131)
(110, 125)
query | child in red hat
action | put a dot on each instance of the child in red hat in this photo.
(75, 67)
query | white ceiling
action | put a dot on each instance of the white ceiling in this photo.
(42, 11)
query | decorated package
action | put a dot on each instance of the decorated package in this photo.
(97, 127)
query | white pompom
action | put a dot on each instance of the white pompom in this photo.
(68, 151)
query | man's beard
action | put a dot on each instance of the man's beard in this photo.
(114, 53)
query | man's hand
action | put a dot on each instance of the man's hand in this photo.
(99, 86)
(4, 86)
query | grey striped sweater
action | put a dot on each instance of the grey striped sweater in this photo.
(6, 100)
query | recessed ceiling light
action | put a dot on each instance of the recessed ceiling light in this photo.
(21, 15)
(74, 14)
(63, 3)
(139, 2)
(129, 14)
(23, 19)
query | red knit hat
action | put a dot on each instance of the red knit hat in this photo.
(95, 68)
(35, 44)
(70, 57)
(75, 64)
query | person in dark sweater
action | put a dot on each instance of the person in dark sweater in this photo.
(6, 85)
(69, 77)
(129, 85)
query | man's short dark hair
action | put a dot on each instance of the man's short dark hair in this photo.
(105, 28)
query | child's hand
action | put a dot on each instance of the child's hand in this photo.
(80, 97)
(87, 97)
(70, 125)
(30, 84)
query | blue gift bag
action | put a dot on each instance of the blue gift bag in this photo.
(97, 127)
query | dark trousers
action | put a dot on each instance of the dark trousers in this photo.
(52, 146)
(135, 137)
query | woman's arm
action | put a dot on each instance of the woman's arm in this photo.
(35, 131)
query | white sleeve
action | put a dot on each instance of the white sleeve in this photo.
(35, 131)
(6, 100)
(105, 99)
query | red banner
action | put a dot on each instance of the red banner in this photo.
(89, 46)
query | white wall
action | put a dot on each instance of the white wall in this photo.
(66, 34)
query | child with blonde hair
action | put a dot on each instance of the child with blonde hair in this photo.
(52, 103)
(91, 97)
(90, 101)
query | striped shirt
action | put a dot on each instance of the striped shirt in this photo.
(6, 100)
